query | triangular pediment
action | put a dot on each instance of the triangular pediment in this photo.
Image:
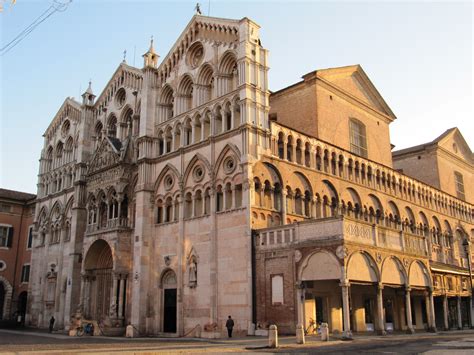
(117, 80)
(453, 141)
(106, 155)
(203, 28)
(355, 82)
(70, 109)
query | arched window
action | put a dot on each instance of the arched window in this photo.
(112, 126)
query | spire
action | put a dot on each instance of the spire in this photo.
(88, 96)
(150, 58)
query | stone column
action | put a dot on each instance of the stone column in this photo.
(430, 311)
(202, 120)
(300, 303)
(113, 296)
(459, 312)
(380, 315)
(471, 312)
(121, 295)
(445, 312)
(233, 197)
(345, 310)
(410, 329)
(193, 131)
(283, 206)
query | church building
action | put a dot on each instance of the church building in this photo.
(187, 192)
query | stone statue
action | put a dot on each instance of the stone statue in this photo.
(198, 8)
(192, 273)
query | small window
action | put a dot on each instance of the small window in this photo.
(25, 273)
(358, 138)
(29, 244)
(459, 181)
(6, 236)
(277, 289)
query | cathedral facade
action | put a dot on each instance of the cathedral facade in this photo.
(187, 192)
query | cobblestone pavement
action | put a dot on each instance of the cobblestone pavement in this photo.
(38, 342)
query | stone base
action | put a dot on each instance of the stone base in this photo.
(410, 331)
(210, 334)
(261, 332)
(432, 330)
(381, 332)
(346, 335)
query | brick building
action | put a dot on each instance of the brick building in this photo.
(185, 192)
(16, 236)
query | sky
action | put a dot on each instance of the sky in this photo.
(419, 55)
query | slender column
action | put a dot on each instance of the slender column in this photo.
(233, 197)
(113, 296)
(164, 144)
(121, 298)
(232, 109)
(445, 312)
(193, 131)
(380, 315)
(345, 309)
(459, 312)
(471, 312)
(300, 304)
(283, 207)
(173, 139)
(410, 329)
(430, 314)
(202, 128)
(285, 155)
(193, 209)
(314, 201)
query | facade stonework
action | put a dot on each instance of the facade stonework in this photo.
(186, 192)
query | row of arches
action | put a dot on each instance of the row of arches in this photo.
(191, 91)
(62, 153)
(189, 130)
(55, 225)
(199, 203)
(302, 150)
(107, 208)
(57, 180)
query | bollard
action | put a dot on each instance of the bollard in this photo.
(129, 333)
(300, 334)
(273, 336)
(324, 332)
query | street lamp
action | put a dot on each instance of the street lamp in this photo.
(465, 244)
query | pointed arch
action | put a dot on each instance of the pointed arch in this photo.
(376, 203)
(419, 275)
(197, 157)
(320, 265)
(229, 147)
(167, 168)
(393, 272)
(304, 181)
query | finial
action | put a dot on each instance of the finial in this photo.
(89, 88)
(124, 56)
(151, 45)
(198, 9)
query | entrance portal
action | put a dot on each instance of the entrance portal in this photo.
(98, 267)
(169, 302)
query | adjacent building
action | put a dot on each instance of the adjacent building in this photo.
(187, 191)
(17, 211)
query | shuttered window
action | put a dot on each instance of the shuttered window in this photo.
(358, 138)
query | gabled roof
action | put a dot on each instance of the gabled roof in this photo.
(437, 142)
(70, 108)
(187, 37)
(356, 72)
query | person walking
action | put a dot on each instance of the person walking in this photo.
(51, 324)
(229, 325)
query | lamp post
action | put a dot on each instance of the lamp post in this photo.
(466, 246)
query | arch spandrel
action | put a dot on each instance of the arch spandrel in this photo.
(361, 267)
(321, 266)
(392, 272)
(419, 275)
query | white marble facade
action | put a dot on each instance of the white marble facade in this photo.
(143, 193)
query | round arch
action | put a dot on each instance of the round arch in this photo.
(320, 265)
(418, 275)
(99, 256)
(393, 272)
(361, 267)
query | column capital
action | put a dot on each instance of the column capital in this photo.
(407, 289)
(380, 286)
(344, 283)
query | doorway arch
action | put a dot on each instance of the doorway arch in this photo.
(98, 266)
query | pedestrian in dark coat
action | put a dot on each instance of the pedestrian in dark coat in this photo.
(229, 325)
(51, 324)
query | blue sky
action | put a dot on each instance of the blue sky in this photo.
(418, 54)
